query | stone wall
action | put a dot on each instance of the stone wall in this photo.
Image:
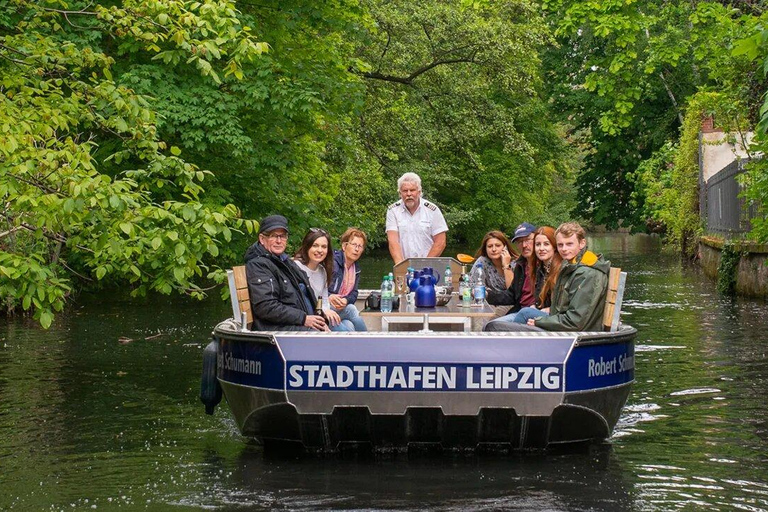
(752, 271)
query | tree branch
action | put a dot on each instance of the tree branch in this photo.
(408, 80)
(11, 231)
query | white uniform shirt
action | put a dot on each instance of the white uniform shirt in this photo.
(416, 231)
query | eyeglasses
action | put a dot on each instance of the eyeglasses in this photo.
(278, 236)
(318, 230)
(356, 246)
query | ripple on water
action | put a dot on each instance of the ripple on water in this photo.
(695, 391)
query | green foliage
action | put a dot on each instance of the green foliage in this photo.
(727, 268)
(755, 47)
(453, 94)
(65, 219)
(623, 76)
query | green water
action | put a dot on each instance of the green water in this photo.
(88, 422)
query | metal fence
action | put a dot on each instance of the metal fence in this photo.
(724, 212)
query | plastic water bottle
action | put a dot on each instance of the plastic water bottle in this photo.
(448, 277)
(409, 277)
(387, 294)
(465, 293)
(479, 289)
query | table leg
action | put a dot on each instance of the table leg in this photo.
(426, 323)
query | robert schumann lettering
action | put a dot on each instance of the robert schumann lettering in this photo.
(600, 367)
(418, 377)
(236, 364)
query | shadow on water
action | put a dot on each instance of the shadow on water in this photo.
(102, 411)
(555, 481)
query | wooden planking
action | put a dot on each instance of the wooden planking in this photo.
(240, 292)
(612, 298)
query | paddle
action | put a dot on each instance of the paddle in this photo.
(465, 258)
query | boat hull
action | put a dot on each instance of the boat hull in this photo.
(453, 391)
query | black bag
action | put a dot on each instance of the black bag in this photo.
(373, 302)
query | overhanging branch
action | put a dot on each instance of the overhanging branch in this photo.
(408, 80)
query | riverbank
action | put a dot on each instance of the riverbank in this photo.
(738, 266)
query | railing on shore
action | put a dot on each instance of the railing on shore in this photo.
(724, 211)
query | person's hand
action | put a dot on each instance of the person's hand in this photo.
(315, 322)
(532, 321)
(506, 258)
(333, 317)
(337, 301)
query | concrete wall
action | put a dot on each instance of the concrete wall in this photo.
(752, 272)
(719, 149)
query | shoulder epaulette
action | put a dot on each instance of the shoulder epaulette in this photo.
(430, 206)
(396, 203)
(589, 258)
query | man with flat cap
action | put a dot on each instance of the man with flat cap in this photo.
(520, 293)
(281, 297)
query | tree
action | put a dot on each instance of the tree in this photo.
(623, 75)
(453, 94)
(66, 122)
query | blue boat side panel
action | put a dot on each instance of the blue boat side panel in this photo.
(600, 366)
(257, 365)
(348, 376)
(427, 349)
(453, 363)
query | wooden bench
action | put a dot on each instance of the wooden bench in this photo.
(239, 296)
(616, 282)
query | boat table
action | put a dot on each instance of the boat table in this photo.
(451, 313)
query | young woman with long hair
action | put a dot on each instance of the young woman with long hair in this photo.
(543, 270)
(315, 258)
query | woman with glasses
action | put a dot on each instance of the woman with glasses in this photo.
(315, 258)
(346, 275)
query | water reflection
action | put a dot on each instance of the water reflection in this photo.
(89, 422)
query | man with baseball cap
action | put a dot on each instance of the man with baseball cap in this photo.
(520, 292)
(281, 297)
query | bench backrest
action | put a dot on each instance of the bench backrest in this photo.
(238, 294)
(616, 282)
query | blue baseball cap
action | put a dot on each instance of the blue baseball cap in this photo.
(523, 230)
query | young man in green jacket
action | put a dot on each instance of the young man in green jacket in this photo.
(578, 298)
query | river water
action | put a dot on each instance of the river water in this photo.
(101, 412)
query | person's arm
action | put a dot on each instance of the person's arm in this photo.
(438, 245)
(393, 236)
(510, 296)
(265, 303)
(351, 297)
(507, 269)
(337, 301)
(395, 250)
(586, 295)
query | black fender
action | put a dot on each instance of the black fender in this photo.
(210, 389)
